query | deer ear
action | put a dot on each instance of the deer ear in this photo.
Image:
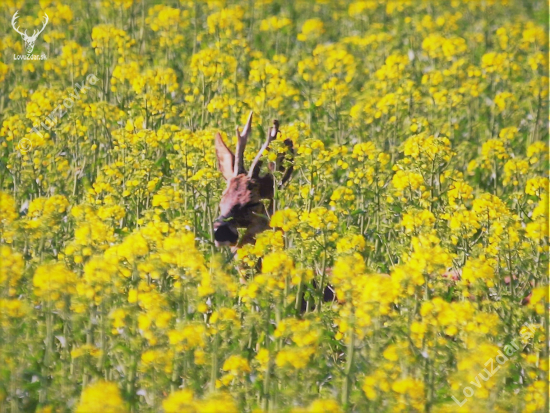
(266, 186)
(226, 159)
(282, 159)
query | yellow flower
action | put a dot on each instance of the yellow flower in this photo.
(339, 194)
(535, 396)
(311, 30)
(479, 269)
(509, 133)
(187, 337)
(295, 357)
(4, 68)
(227, 21)
(236, 365)
(86, 349)
(538, 299)
(180, 401)
(274, 23)
(277, 262)
(411, 393)
(101, 397)
(350, 243)
(489, 207)
(502, 100)
(364, 150)
(325, 406)
(536, 151)
(303, 332)
(220, 402)
(11, 268)
(52, 280)
(390, 353)
(438, 46)
(345, 269)
(427, 148)
(537, 186)
(463, 222)
(7, 209)
(263, 358)
(11, 309)
(358, 8)
(491, 150)
(286, 219)
(413, 221)
(320, 218)
(460, 191)
(403, 180)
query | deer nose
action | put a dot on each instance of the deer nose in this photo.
(226, 234)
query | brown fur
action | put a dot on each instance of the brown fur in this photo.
(241, 203)
(240, 191)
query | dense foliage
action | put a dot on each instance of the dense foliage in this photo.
(420, 192)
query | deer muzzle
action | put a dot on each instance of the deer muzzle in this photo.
(225, 233)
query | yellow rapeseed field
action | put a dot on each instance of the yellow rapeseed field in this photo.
(419, 192)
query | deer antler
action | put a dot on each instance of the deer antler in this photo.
(271, 134)
(13, 22)
(46, 20)
(242, 138)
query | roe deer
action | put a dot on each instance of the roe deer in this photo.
(240, 205)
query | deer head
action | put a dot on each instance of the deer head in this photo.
(241, 206)
(29, 40)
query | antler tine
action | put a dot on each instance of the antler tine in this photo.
(242, 138)
(46, 20)
(14, 21)
(271, 134)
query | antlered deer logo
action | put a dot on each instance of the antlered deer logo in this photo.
(29, 40)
